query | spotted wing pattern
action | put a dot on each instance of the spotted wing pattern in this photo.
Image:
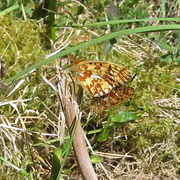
(115, 97)
(99, 78)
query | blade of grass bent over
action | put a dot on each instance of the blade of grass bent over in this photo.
(94, 41)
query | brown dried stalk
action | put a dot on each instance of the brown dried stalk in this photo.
(72, 116)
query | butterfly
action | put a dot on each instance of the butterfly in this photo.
(98, 77)
(115, 97)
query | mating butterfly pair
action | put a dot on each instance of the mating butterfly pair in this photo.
(103, 80)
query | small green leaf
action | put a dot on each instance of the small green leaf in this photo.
(61, 23)
(95, 159)
(166, 58)
(177, 60)
(105, 134)
(28, 10)
(164, 45)
(108, 45)
(57, 161)
(113, 11)
(123, 117)
(169, 155)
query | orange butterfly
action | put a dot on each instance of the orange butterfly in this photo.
(104, 81)
(99, 78)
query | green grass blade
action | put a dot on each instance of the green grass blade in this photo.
(6, 11)
(94, 41)
(15, 167)
(128, 21)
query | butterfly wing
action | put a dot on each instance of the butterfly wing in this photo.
(99, 78)
(115, 97)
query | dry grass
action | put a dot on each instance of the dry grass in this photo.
(31, 127)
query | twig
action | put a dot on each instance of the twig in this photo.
(72, 116)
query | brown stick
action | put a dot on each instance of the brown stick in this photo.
(80, 149)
